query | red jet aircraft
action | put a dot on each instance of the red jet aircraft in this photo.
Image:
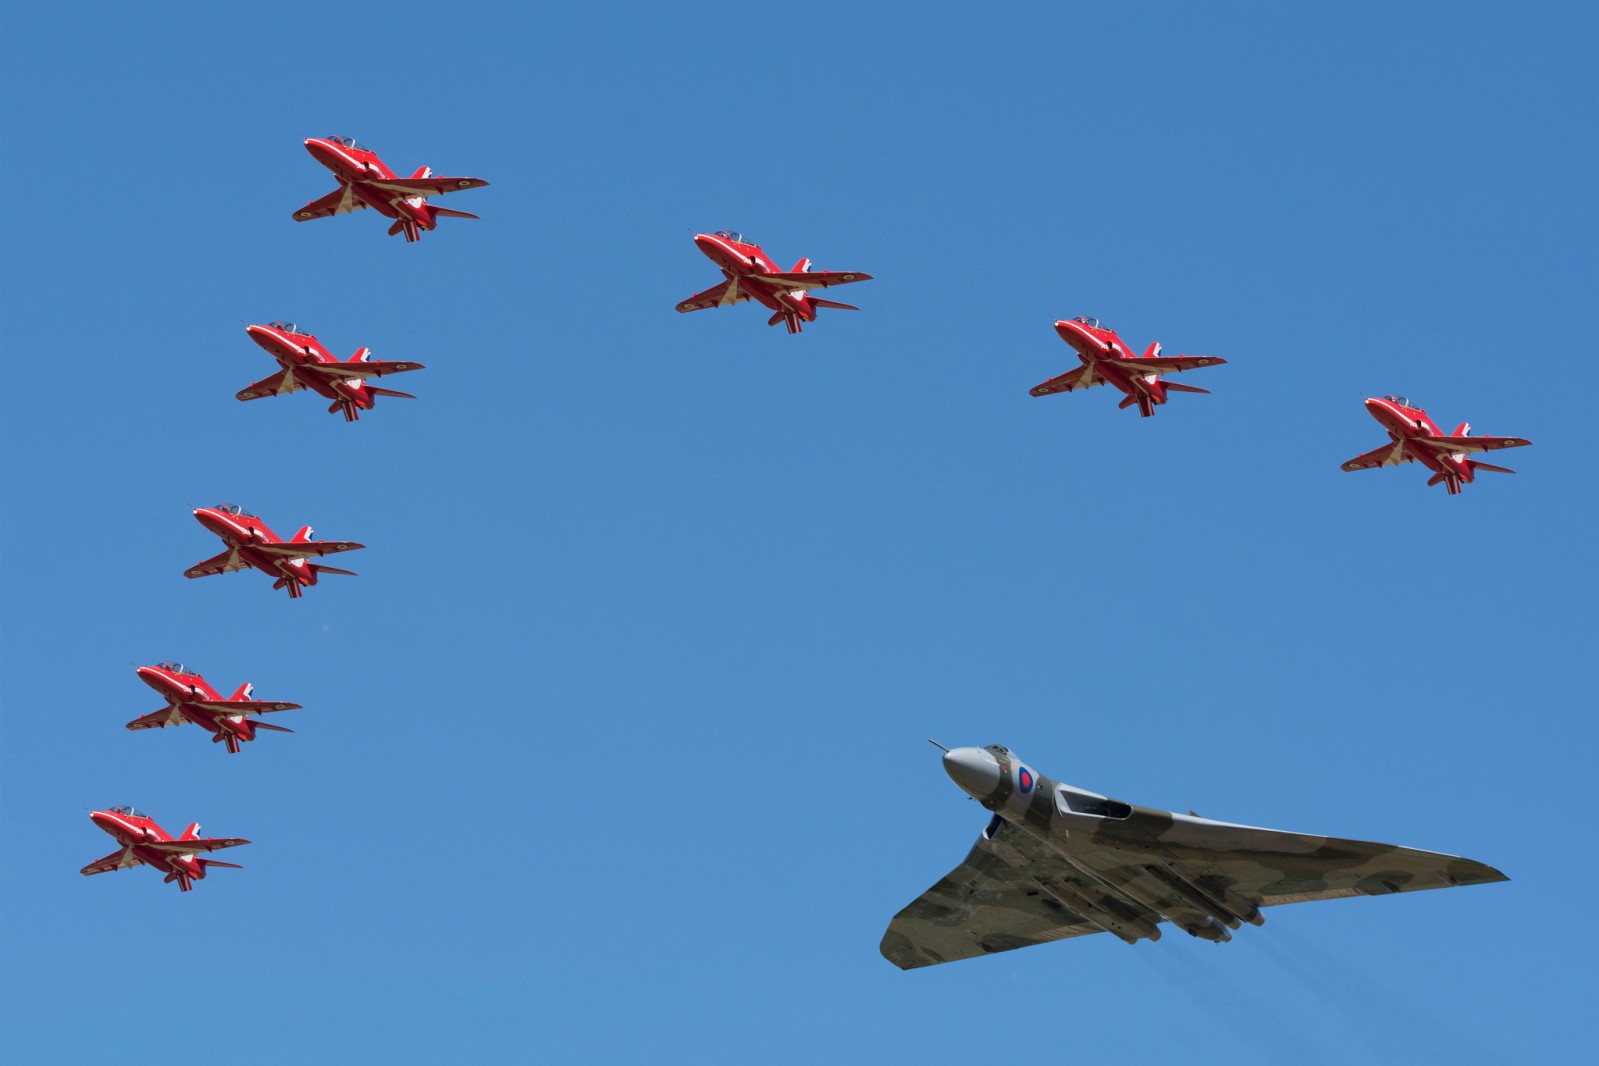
(308, 365)
(751, 275)
(142, 841)
(364, 181)
(190, 699)
(251, 544)
(1106, 358)
(1414, 436)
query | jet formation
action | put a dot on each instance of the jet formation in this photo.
(1056, 862)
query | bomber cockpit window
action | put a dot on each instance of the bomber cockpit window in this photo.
(998, 749)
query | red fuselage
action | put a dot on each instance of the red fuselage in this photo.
(1146, 390)
(356, 168)
(183, 691)
(302, 353)
(133, 830)
(747, 263)
(1412, 423)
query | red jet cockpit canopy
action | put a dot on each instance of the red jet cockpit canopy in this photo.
(733, 235)
(1090, 322)
(1402, 401)
(235, 509)
(130, 812)
(348, 142)
(175, 668)
(288, 327)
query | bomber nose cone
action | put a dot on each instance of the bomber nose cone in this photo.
(974, 770)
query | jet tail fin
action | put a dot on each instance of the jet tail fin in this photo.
(303, 536)
(422, 172)
(191, 833)
(1153, 351)
(801, 267)
(1462, 430)
(241, 693)
(360, 355)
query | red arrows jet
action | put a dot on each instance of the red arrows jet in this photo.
(1414, 436)
(251, 544)
(364, 181)
(140, 840)
(308, 365)
(190, 699)
(751, 275)
(1107, 359)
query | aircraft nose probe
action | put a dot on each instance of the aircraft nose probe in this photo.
(974, 770)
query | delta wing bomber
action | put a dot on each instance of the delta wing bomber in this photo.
(1057, 862)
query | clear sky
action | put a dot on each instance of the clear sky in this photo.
(615, 749)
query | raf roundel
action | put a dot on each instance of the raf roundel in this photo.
(1024, 778)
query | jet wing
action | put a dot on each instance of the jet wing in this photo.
(990, 902)
(1071, 381)
(120, 859)
(158, 719)
(338, 202)
(279, 383)
(1472, 444)
(192, 847)
(427, 186)
(728, 292)
(1168, 364)
(813, 279)
(1272, 866)
(217, 564)
(299, 549)
(1390, 454)
(374, 369)
(240, 707)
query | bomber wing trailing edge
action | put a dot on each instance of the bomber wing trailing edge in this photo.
(1058, 862)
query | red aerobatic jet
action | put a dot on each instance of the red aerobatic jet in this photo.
(1415, 436)
(364, 181)
(190, 699)
(751, 275)
(142, 841)
(308, 365)
(1107, 359)
(251, 544)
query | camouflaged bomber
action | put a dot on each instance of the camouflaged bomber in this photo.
(1058, 862)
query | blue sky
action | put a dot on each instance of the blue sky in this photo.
(615, 748)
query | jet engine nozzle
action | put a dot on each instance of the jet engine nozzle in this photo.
(974, 770)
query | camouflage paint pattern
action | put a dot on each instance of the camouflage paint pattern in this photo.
(1058, 862)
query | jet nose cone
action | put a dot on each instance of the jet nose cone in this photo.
(974, 770)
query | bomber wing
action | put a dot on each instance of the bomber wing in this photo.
(1273, 866)
(728, 292)
(279, 383)
(221, 563)
(338, 202)
(993, 901)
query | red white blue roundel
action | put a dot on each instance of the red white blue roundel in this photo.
(1024, 778)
